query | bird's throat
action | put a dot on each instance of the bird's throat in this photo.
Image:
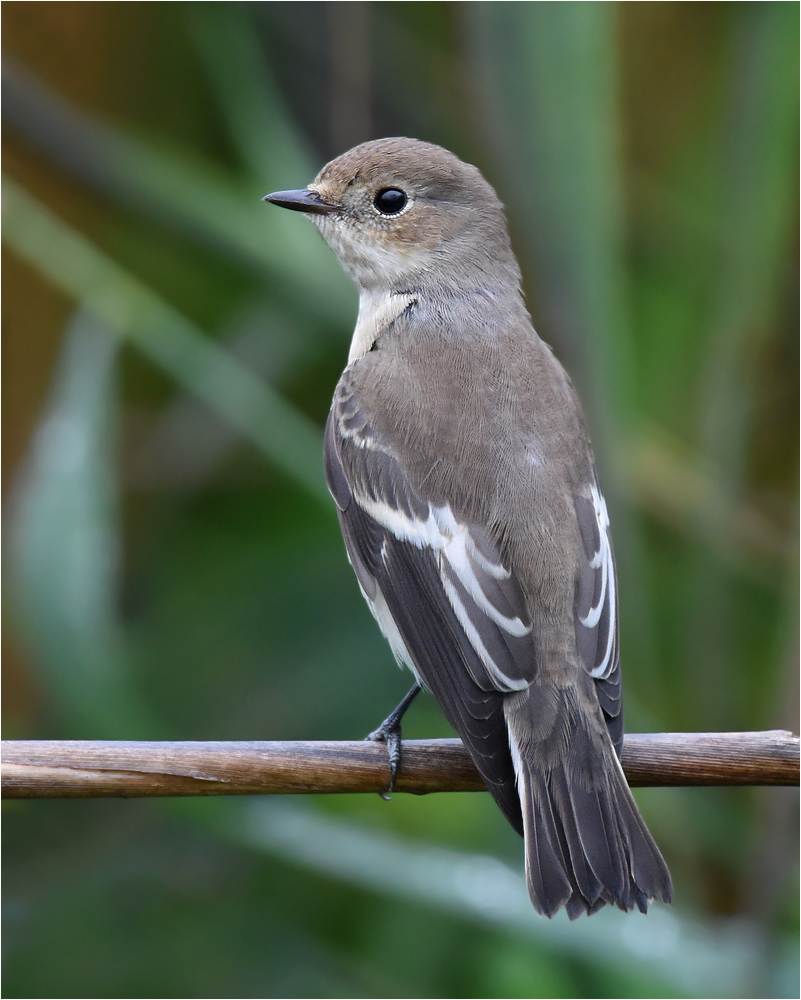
(377, 310)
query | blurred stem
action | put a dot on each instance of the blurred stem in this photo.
(758, 215)
(65, 538)
(349, 46)
(758, 198)
(188, 193)
(134, 312)
(226, 39)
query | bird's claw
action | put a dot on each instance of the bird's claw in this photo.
(391, 735)
(389, 732)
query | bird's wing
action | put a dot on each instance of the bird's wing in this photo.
(450, 609)
(596, 609)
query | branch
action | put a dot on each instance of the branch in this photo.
(86, 769)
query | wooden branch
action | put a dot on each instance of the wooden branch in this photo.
(78, 769)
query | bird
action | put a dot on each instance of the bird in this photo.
(466, 489)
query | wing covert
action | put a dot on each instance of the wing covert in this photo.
(450, 609)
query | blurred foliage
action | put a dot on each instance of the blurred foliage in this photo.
(174, 568)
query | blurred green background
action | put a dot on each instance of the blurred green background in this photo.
(173, 565)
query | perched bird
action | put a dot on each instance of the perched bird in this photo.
(468, 498)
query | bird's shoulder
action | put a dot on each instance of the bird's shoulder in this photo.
(465, 395)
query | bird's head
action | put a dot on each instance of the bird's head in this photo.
(401, 214)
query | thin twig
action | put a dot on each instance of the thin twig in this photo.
(87, 769)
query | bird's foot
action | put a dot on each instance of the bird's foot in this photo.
(391, 735)
(389, 732)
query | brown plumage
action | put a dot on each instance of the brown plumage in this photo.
(469, 503)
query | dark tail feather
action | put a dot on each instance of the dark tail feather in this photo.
(586, 843)
(549, 876)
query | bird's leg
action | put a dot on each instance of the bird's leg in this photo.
(389, 732)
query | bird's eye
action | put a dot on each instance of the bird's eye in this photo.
(390, 201)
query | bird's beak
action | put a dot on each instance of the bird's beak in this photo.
(301, 201)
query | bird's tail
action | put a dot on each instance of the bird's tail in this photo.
(586, 843)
